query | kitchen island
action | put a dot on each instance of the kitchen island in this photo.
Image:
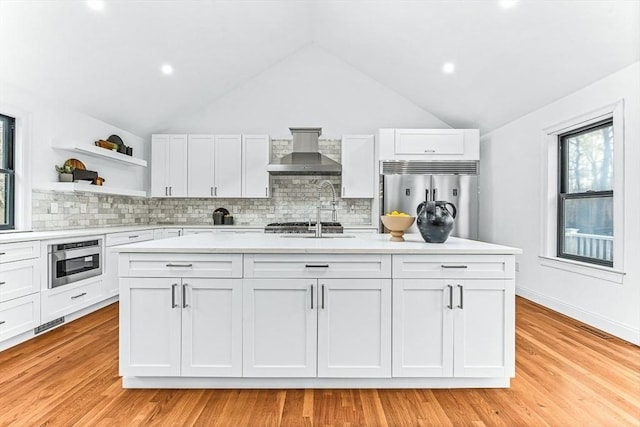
(282, 311)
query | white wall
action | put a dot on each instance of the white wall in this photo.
(48, 123)
(308, 88)
(510, 213)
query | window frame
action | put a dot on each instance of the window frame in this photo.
(549, 193)
(8, 169)
(563, 195)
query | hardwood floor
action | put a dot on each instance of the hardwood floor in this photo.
(566, 376)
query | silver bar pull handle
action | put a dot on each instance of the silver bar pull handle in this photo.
(215, 191)
(133, 237)
(316, 265)
(3, 283)
(311, 297)
(171, 191)
(429, 151)
(450, 306)
(2, 322)
(184, 295)
(323, 297)
(173, 295)
(461, 296)
(3, 253)
(453, 266)
(78, 296)
(180, 265)
(266, 191)
(166, 191)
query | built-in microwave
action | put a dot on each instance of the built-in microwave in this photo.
(73, 261)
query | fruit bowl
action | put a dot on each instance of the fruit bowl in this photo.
(397, 225)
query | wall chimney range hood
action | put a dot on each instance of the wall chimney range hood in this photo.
(305, 158)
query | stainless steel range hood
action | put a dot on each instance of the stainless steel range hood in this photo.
(305, 158)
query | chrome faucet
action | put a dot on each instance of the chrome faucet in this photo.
(334, 213)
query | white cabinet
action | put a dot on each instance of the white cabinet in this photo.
(64, 300)
(214, 166)
(200, 322)
(20, 273)
(256, 154)
(279, 329)
(453, 316)
(314, 322)
(429, 144)
(169, 166)
(358, 166)
(19, 315)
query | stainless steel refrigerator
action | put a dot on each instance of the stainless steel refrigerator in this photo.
(405, 191)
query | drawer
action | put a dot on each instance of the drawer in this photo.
(70, 298)
(19, 315)
(19, 278)
(180, 265)
(114, 239)
(343, 266)
(454, 266)
(10, 252)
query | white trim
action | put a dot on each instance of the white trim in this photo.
(612, 327)
(23, 132)
(279, 383)
(591, 270)
(549, 196)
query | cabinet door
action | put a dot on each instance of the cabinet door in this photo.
(256, 153)
(354, 328)
(279, 329)
(422, 328)
(19, 315)
(211, 327)
(228, 166)
(358, 166)
(159, 165)
(150, 318)
(429, 141)
(177, 171)
(19, 278)
(480, 328)
(200, 182)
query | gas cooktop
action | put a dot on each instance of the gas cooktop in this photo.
(302, 227)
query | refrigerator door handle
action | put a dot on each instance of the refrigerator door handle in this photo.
(434, 194)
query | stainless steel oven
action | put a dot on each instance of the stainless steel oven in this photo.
(75, 260)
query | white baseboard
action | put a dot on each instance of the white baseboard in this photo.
(597, 321)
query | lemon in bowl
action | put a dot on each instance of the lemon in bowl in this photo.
(397, 223)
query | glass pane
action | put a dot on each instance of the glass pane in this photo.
(588, 227)
(590, 160)
(3, 124)
(4, 189)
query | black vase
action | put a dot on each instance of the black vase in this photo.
(435, 220)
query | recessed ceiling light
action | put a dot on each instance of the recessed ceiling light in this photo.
(96, 4)
(167, 69)
(508, 4)
(448, 67)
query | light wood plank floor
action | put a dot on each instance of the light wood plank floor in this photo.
(566, 376)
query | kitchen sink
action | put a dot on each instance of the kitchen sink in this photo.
(313, 236)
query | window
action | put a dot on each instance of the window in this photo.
(7, 172)
(585, 194)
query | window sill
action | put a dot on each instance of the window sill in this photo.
(599, 272)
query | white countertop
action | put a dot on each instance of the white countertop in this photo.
(275, 243)
(24, 236)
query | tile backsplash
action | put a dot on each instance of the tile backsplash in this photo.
(293, 198)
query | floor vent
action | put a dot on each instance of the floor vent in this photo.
(595, 332)
(48, 325)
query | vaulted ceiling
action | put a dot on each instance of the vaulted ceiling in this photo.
(509, 61)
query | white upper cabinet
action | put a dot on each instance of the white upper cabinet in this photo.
(228, 166)
(256, 153)
(169, 166)
(429, 144)
(358, 166)
(214, 166)
(200, 170)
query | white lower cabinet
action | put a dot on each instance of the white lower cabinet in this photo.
(64, 300)
(19, 315)
(453, 316)
(181, 327)
(317, 327)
